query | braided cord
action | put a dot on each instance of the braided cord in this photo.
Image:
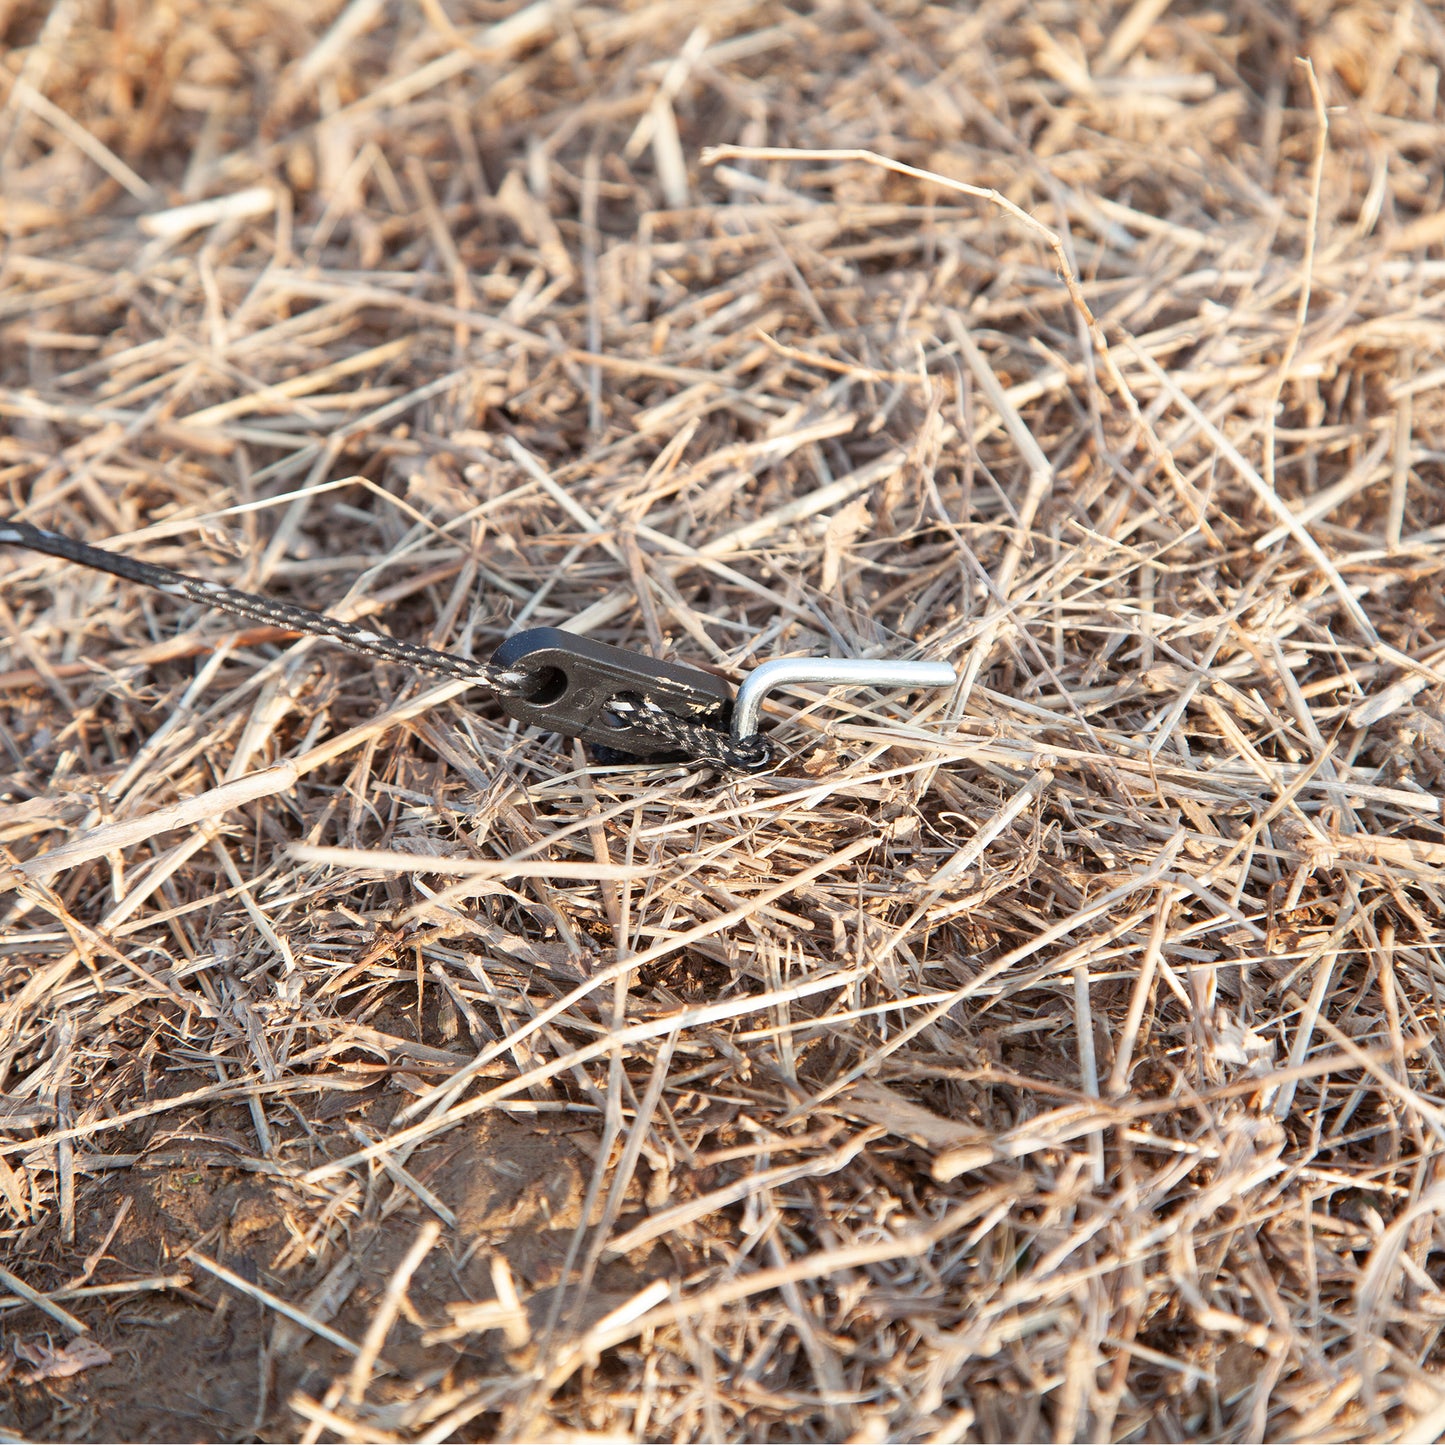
(705, 744)
(504, 682)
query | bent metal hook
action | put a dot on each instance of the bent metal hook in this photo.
(832, 672)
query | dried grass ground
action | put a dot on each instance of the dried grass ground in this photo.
(1056, 1059)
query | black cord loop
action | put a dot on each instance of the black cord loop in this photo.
(704, 744)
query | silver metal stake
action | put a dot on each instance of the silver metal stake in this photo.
(831, 672)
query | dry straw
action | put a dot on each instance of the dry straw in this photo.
(1058, 1058)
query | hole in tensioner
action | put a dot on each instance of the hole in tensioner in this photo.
(546, 686)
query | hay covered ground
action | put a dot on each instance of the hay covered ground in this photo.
(1057, 1058)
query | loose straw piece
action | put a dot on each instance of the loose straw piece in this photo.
(204, 807)
(275, 1302)
(43, 1302)
(182, 220)
(464, 867)
(73, 131)
(388, 1309)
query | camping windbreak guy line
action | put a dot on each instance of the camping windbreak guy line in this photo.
(630, 706)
